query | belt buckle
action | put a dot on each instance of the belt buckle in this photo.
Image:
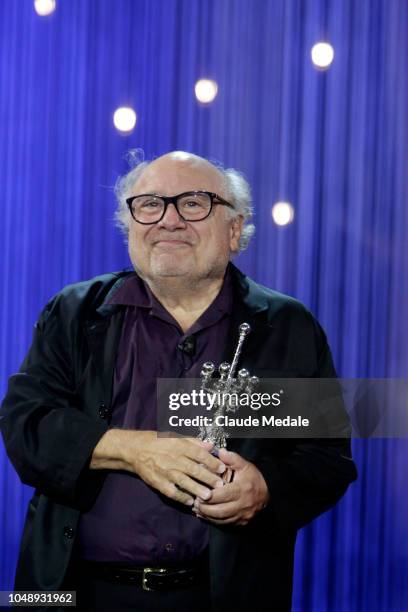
(146, 572)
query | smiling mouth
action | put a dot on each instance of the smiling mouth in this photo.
(172, 243)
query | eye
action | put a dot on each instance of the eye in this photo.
(150, 204)
(192, 204)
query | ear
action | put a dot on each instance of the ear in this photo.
(236, 227)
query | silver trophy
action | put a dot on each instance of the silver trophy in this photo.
(223, 388)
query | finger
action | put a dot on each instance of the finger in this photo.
(218, 511)
(191, 486)
(173, 492)
(200, 455)
(232, 459)
(199, 472)
(169, 489)
(227, 493)
(232, 520)
(228, 475)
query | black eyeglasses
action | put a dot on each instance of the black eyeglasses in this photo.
(191, 206)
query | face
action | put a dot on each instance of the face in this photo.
(176, 248)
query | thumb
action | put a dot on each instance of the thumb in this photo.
(232, 459)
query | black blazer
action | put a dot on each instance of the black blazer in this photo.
(58, 406)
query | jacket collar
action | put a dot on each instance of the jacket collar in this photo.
(255, 299)
(250, 293)
(106, 309)
(103, 329)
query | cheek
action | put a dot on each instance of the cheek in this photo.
(131, 242)
(223, 242)
(136, 244)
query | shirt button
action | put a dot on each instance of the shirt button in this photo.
(169, 547)
(68, 532)
(103, 411)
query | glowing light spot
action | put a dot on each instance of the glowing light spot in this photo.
(322, 55)
(44, 7)
(206, 90)
(124, 119)
(283, 213)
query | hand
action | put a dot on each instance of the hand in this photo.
(174, 465)
(237, 502)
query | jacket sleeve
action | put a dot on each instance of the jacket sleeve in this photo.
(314, 474)
(48, 438)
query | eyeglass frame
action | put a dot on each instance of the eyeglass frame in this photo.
(173, 200)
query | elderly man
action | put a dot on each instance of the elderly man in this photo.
(131, 520)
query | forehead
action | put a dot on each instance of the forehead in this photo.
(169, 177)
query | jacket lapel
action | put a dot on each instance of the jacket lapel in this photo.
(103, 332)
(250, 306)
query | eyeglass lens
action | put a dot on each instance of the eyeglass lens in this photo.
(192, 207)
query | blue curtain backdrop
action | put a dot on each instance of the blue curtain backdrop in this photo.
(334, 144)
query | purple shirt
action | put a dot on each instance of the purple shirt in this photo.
(130, 521)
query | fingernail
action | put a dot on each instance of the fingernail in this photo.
(206, 495)
(219, 483)
(221, 469)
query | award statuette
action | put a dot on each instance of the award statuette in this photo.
(224, 388)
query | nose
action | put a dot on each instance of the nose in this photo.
(172, 219)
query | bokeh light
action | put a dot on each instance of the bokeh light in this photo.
(206, 90)
(322, 55)
(283, 213)
(124, 119)
(44, 7)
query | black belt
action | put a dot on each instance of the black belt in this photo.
(150, 578)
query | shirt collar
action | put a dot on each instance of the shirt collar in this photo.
(133, 291)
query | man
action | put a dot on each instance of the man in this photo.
(113, 499)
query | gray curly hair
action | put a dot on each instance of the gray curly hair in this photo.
(237, 188)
